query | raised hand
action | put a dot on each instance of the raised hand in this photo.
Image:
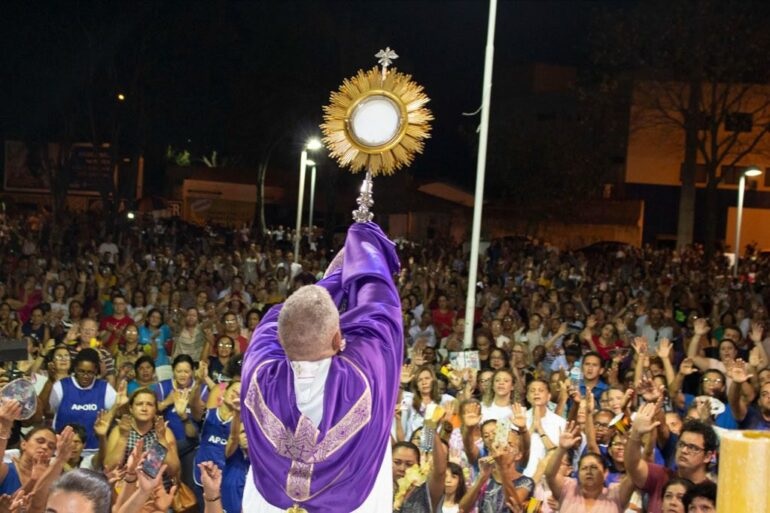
(700, 327)
(640, 345)
(10, 410)
(39, 466)
(647, 387)
(407, 373)
(124, 426)
(471, 417)
(114, 474)
(756, 332)
(148, 484)
(757, 358)
(65, 444)
(738, 372)
(102, 424)
(687, 367)
(590, 404)
(121, 398)
(181, 400)
(643, 422)
(519, 417)
(570, 437)
(486, 465)
(621, 326)
(135, 457)
(160, 429)
(664, 349)
(163, 498)
(591, 322)
(211, 478)
(203, 371)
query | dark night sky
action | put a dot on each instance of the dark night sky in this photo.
(214, 72)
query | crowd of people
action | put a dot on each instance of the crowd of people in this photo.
(594, 381)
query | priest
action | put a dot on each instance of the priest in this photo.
(320, 383)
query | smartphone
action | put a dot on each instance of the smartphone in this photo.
(502, 431)
(154, 459)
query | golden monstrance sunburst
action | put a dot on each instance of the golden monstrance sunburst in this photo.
(376, 122)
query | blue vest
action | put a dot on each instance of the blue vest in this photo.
(163, 389)
(81, 407)
(234, 474)
(11, 483)
(214, 435)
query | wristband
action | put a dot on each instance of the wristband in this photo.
(214, 499)
(130, 481)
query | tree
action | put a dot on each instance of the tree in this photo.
(699, 73)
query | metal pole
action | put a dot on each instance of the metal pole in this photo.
(738, 220)
(481, 162)
(300, 197)
(312, 202)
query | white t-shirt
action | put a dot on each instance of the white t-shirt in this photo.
(309, 385)
(553, 425)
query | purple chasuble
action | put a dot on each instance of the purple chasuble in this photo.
(331, 468)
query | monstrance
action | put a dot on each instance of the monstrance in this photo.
(376, 122)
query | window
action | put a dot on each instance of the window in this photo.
(739, 122)
(732, 174)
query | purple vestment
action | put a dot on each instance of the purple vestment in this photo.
(331, 468)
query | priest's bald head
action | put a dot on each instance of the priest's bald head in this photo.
(309, 325)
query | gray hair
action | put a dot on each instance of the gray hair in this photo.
(91, 485)
(307, 323)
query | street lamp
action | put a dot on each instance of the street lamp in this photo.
(750, 172)
(312, 165)
(312, 144)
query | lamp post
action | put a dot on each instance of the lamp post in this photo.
(751, 172)
(312, 144)
(312, 199)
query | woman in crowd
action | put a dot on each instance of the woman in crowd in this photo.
(142, 423)
(215, 432)
(237, 461)
(586, 493)
(423, 393)
(673, 495)
(217, 362)
(454, 488)
(174, 397)
(498, 401)
(144, 374)
(9, 326)
(131, 350)
(79, 398)
(81, 490)
(154, 334)
(497, 359)
(35, 326)
(138, 309)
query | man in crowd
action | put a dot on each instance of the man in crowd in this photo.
(695, 449)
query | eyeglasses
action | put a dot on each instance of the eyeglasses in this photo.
(602, 424)
(83, 372)
(712, 380)
(617, 444)
(684, 446)
(62, 357)
(226, 345)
